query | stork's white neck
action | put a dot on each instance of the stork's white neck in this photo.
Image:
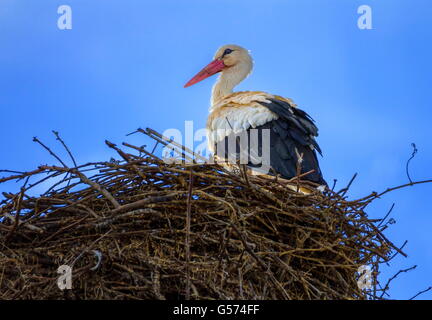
(228, 79)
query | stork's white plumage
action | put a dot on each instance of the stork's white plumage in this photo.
(292, 131)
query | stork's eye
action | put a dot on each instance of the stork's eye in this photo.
(227, 51)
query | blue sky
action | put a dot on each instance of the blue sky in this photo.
(124, 63)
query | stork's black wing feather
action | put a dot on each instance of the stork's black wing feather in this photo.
(291, 135)
(301, 126)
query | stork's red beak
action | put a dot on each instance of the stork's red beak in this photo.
(212, 68)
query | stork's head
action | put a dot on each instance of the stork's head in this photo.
(229, 58)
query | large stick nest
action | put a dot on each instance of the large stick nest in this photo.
(143, 229)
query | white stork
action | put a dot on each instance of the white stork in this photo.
(292, 131)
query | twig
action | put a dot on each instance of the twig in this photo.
(421, 292)
(408, 162)
(35, 139)
(18, 211)
(387, 286)
(344, 190)
(188, 231)
(385, 217)
(66, 147)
